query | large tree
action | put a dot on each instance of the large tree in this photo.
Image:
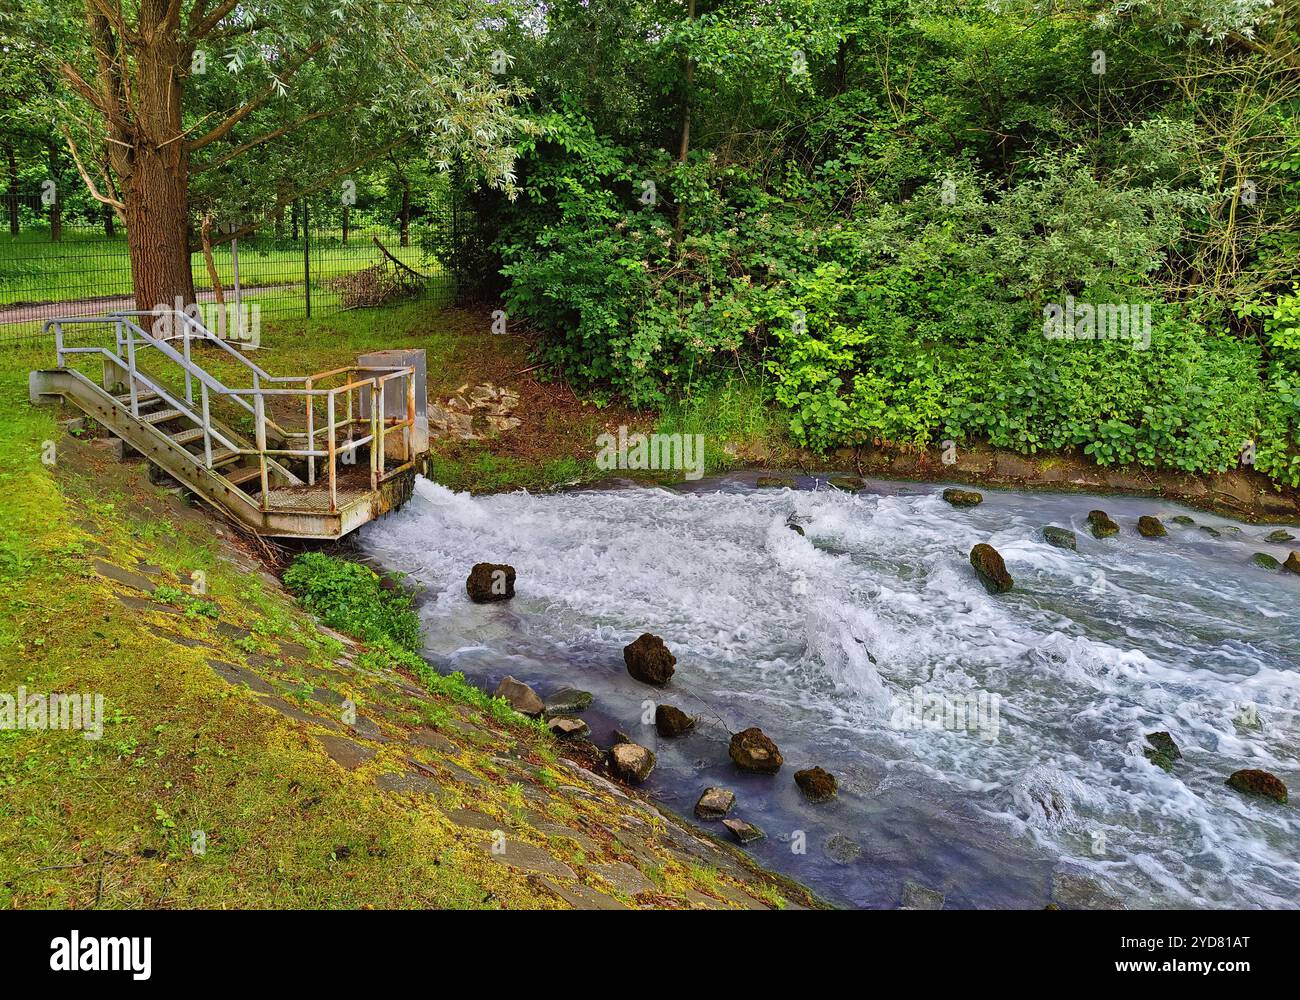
(243, 105)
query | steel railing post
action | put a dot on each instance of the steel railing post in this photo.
(333, 452)
(260, 429)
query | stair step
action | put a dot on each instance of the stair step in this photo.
(238, 477)
(142, 398)
(161, 416)
(223, 456)
(185, 437)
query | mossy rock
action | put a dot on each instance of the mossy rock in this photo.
(1101, 524)
(1212, 532)
(1265, 561)
(797, 528)
(990, 568)
(849, 484)
(1183, 520)
(1163, 751)
(1260, 783)
(1062, 538)
(1292, 562)
(1150, 527)
(963, 498)
(1280, 535)
(774, 482)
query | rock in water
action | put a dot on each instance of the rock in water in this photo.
(796, 528)
(752, 750)
(818, 785)
(631, 762)
(1292, 562)
(774, 482)
(1102, 525)
(568, 701)
(672, 722)
(1281, 535)
(991, 569)
(521, 697)
(648, 660)
(745, 833)
(490, 582)
(1265, 561)
(714, 803)
(1163, 751)
(919, 897)
(1150, 527)
(1062, 538)
(1212, 532)
(963, 498)
(1254, 782)
(567, 727)
(1183, 520)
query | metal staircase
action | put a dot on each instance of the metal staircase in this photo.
(315, 459)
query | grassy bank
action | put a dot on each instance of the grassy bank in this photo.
(228, 773)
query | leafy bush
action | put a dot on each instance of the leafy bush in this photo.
(351, 597)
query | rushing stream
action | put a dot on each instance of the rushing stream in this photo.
(828, 641)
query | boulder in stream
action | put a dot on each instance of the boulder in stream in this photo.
(489, 582)
(1150, 527)
(990, 568)
(1292, 562)
(745, 833)
(649, 660)
(817, 784)
(774, 482)
(1062, 538)
(963, 498)
(715, 803)
(672, 722)
(631, 762)
(520, 696)
(919, 897)
(1280, 535)
(568, 727)
(1182, 520)
(568, 701)
(1265, 561)
(1261, 783)
(1162, 751)
(1101, 524)
(752, 750)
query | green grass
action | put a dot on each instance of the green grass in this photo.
(85, 264)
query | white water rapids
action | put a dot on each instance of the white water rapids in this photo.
(818, 639)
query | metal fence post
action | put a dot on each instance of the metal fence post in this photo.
(306, 256)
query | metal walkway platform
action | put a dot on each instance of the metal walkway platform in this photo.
(325, 467)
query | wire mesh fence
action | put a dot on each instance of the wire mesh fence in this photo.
(314, 257)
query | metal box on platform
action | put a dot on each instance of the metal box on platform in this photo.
(395, 402)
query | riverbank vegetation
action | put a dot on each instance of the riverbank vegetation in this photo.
(1066, 228)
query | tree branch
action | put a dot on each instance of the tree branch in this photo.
(256, 102)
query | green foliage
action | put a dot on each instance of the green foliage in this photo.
(352, 598)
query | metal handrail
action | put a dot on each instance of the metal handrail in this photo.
(128, 334)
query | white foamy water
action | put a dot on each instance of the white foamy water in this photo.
(824, 640)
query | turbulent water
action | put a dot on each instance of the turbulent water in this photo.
(852, 646)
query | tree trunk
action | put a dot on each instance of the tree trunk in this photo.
(347, 218)
(218, 293)
(293, 217)
(56, 206)
(684, 148)
(13, 191)
(405, 217)
(158, 229)
(109, 229)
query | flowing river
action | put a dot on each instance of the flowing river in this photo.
(857, 644)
